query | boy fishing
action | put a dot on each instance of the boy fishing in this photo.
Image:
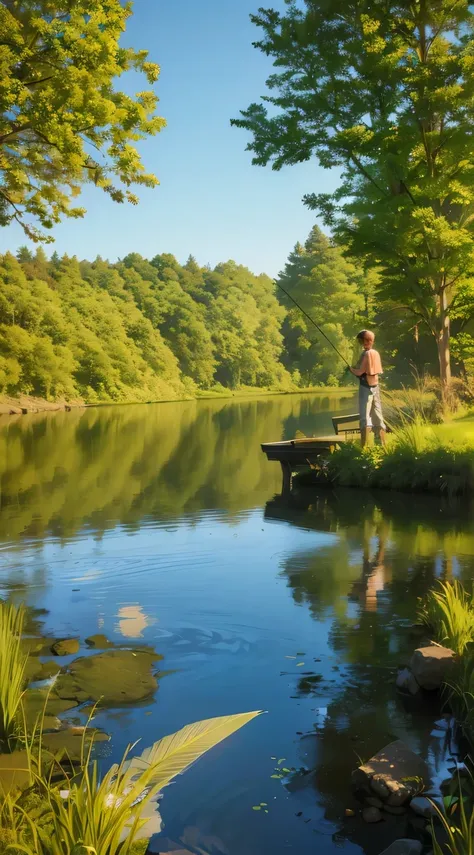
(367, 370)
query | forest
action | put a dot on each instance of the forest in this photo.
(140, 330)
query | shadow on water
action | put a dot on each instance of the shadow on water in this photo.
(153, 523)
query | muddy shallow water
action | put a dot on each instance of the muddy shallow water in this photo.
(163, 526)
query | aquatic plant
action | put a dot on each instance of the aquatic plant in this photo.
(461, 696)
(12, 673)
(457, 821)
(84, 813)
(448, 610)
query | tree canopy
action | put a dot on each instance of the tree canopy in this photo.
(383, 91)
(63, 121)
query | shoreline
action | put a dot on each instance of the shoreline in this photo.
(28, 405)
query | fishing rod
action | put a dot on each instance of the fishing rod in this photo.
(313, 322)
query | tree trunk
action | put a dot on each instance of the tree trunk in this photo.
(444, 351)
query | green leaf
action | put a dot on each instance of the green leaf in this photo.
(173, 754)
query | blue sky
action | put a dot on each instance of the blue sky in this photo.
(211, 202)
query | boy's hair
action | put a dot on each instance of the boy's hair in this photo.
(363, 333)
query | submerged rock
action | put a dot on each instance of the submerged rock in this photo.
(66, 647)
(99, 642)
(406, 682)
(68, 743)
(115, 677)
(14, 771)
(422, 807)
(395, 771)
(432, 666)
(404, 847)
(37, 702)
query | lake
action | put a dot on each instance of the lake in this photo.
(164, 525)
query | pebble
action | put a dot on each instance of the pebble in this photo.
(373, 801)
(396, 810)
(372, 814)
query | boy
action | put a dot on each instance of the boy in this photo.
(370, 406)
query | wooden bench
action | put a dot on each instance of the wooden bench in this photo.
(347, 425)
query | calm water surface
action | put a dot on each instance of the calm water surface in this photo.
(163, 524)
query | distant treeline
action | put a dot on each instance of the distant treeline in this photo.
(148, 330)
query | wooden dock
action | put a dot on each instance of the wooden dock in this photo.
(310, 450)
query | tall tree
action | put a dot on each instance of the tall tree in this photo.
(383, 90)
(63, 121)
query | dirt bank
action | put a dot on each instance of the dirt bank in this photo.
(26, 404)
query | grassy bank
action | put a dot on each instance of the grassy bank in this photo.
(417, 458)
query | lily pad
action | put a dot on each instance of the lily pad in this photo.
(115, 677)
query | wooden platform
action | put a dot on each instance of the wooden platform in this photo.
(299, 452)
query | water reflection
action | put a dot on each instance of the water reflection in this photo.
(60, 472)
(384, 558)
(132, 621)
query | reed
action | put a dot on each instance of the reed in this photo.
(12, 674)
(448, 611)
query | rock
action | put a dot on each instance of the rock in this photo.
(406, 682)
(99, 642)
(432, 666)
(372, 814)
(374, 802)
(379, 786)
(399, 793)
(14, 771)
(67, 744)
(114, 678)
(396, 810)
(66, 647)
(422, 807)
(396, 769)
(404, 847)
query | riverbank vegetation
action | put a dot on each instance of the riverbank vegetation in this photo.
(417, 458)
(140, 330)
(447, 612)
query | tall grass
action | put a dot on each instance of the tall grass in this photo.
(462, 696)
(448, 611)
(12, 673)
(457, 823)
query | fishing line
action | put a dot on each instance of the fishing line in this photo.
(313, 322)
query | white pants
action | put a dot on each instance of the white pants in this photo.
(370, 408)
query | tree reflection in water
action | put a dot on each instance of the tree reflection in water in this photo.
(389, 550)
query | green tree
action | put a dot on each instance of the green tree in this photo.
(59, 106)
(383, 91)
(326, 285)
